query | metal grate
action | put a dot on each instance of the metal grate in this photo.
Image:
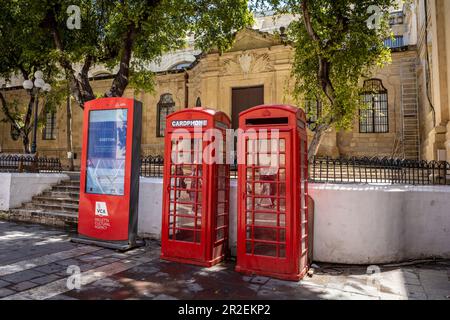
(374, 118)
(152, 166)
(351, 170)
(166, 106)
(28, 163)
(379, 170)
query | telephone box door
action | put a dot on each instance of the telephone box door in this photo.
(266, 186)
(185, 199)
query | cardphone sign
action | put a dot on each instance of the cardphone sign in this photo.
(109, 180)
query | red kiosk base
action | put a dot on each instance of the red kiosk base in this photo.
(109, 179)
(114, 245)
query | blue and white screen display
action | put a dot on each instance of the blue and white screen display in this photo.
(106, 152)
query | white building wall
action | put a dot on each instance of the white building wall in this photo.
(19, 188)
(354, 224)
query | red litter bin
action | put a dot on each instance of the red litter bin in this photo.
(196, 188)
(273, 231)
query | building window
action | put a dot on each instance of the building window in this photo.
(374, 117)
(198, 103)
(313, 109)
(49, 132)
(181, 66)
(395, 42)
(166, 106)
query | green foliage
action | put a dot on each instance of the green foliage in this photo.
(160, 26)
(344, 41)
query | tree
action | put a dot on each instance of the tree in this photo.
(23, 50)
(126, 35)
(336, 43)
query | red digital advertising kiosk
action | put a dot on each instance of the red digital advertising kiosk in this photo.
(273, 230)
(109, 180)
(196, 188)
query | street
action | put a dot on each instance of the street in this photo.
(38, 263)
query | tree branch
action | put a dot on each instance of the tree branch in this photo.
(7, 113)
(122, 77)
(81, 90)
(307, 21)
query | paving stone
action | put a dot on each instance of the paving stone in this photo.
(51, 268)
(24, 286)
(69, 262)
(4, 284)
(412, 281)
(4, 292)
(260, 280)
(22, 276)
(46, 279)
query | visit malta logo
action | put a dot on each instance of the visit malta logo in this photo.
(101, 210)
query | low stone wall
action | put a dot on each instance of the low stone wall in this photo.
(18, 188)
(353, 224)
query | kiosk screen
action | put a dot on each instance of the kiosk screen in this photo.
(106, 152)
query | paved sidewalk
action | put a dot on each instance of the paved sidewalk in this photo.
(34, 263)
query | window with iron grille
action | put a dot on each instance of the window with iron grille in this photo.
(374, 117)
(49, 132)
(166, 106)
(313, 109)
(395, 42)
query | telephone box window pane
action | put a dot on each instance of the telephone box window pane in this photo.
(106, 152)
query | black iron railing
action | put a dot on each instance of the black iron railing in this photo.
(351, 170)
(379, 170)
(321, 170)
(152, 166)
(28, 163)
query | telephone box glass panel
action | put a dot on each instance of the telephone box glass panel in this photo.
(266, 197)
(105, 169)
(186, 191)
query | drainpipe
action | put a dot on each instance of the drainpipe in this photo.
(186, 90)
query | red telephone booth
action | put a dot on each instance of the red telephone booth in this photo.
(196, 184)
(273, 236)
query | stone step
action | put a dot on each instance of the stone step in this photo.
(55, 200)
(50, 207)
(73, 175)
(61, 194)
(67, 220)
(71, 183)
(66, 188)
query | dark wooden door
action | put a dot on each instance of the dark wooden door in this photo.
(243, 99)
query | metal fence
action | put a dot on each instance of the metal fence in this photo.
(29, 163)
(152, 166)
(321, 170)
(379, 170)
(351, 170)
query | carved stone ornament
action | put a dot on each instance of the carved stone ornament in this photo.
(247, 63)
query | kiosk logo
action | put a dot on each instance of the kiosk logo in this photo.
(101, 210)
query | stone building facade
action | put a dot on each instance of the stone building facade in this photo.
(257, 70)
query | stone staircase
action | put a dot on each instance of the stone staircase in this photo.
(56, 207)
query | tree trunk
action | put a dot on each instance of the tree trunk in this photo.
(69, 134)
(314, 146)
(26, 143)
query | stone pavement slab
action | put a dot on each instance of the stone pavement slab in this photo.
(34, 264)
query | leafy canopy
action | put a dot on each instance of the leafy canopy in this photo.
(335, 47)
(127, 35)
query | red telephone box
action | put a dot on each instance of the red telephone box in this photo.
(109, 177)
(273, 231)
(196, 188)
